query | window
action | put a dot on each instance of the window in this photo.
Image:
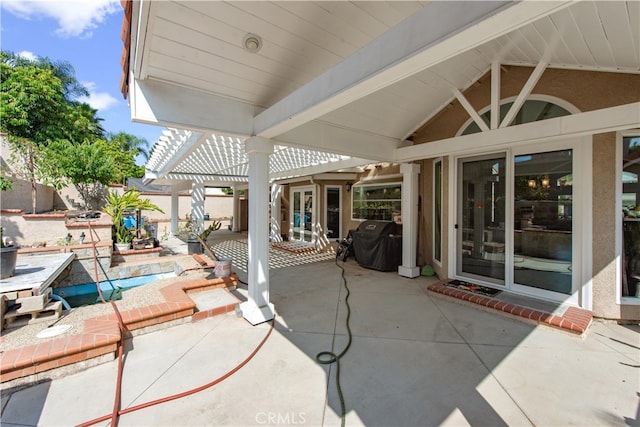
(377, 201)
(630, 189)
(531, 111)
(437, 211)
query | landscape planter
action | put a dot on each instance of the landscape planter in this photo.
(8, 259)
(121, 247)
(194, 246)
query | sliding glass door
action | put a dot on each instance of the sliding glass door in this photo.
(543, 220)
(515, 221)
(481, 218)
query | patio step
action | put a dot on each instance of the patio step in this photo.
(573, 319)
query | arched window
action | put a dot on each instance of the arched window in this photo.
(532, 111)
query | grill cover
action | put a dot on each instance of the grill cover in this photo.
(378, 245)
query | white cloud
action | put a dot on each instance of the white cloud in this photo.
(101, 101)
(76, 18)
(28, 55)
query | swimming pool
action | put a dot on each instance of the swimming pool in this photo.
(87, 293)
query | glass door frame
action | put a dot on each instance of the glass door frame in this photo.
(314, 208)
(581, 214)
(581, 219)
(457, 216)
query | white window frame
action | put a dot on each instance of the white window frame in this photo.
(620, 300)
(442, 202)
(377, 184)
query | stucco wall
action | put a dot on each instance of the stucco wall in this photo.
(39, 230)
(217, 207)
(605, 188)
(586, 90)
(604, 197)
(20, 197)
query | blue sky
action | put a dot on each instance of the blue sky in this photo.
(85, 33)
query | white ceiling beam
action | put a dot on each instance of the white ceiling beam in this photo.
(524, 93)
(469, 109)
(177, 186)
(495, 94)
(325, 137)
(435, 33)
(184, 151)
(592, 122)
(164, 104)
(318, 169)
(207, 178)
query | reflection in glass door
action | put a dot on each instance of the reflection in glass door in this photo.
(543, 214)
(333, 207)
(302, 214)
(481, 218)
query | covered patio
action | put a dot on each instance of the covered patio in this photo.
(244, 88)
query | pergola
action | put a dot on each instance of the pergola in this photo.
(183, 159)
(253, 91)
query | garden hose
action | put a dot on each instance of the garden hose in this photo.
(329, 357)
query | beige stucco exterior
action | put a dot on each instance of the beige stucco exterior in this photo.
(579, 91)
(585, 90)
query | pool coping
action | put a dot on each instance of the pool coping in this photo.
(101, 334)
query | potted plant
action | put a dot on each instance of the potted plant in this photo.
(8, 256)
(118, 206)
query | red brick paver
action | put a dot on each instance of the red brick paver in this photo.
(575, 320)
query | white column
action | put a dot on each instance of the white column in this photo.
(235, 224)
(276, 191)
(197, 205)
(175, 210)
(257, 308)
(410, 173)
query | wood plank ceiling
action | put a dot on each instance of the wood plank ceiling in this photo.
(198, 45)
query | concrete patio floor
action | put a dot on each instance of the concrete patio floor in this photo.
(417, 359)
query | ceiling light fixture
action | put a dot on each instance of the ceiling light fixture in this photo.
(252, 43)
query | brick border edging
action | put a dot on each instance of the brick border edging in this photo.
(101, 334)
(574, 320)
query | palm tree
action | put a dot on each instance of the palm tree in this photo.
(131, 143)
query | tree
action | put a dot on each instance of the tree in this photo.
(5, 182)
(37, 109)
(81, 123)
(131, 144)
(56, 139)
(124, 148)
(88, 166)
(63, 70)
(31, 106)
(32, 103)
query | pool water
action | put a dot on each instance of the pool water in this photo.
(87, 293)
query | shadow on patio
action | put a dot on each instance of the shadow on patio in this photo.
(417, 358)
